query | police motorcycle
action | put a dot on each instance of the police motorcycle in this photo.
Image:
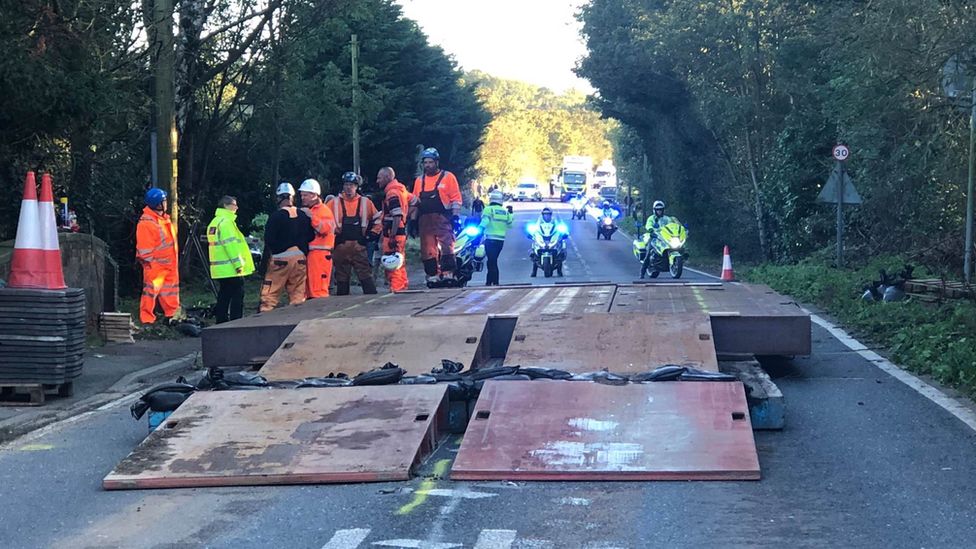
(548, 246)
(579, 204)
(605, 224)
(469, 252)
(665, 251)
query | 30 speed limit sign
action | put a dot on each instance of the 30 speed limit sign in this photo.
(841, 153)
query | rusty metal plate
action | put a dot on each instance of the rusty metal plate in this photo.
(563, 299)
(573, 430)
(621, 343)
(316, 348)
(288, 436)
(254, 338)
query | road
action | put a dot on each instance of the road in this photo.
(864, 462)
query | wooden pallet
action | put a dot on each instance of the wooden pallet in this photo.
(938, 288)
(32, 394)
(116, 327)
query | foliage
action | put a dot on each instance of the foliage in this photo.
(737, 105)
(532, 128)
(934, 339)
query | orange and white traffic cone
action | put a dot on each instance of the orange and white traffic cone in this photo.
(54, 274)
(28, 249)
(727, 274)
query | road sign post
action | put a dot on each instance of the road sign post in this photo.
(840, 155)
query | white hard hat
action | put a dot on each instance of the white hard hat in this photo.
(392, 262)
(285, 188)
(496, 196)
(311, 186)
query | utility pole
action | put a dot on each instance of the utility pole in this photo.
(166, 141)
(968, 255)
(355, 104)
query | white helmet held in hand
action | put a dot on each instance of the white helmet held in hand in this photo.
(311, 186)
(392, 262)
(285, 188)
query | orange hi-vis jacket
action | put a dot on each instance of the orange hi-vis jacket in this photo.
(395, 203)
(324, 225)
(448, 189)
(155, 239)
(361, 207)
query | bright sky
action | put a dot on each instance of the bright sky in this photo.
(535, 41)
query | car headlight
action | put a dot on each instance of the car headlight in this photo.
(675, 242)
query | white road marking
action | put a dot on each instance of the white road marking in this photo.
(463, 494)
(495, 539)
(528, 301)
(562, 301)
(347, 539)
(416, 543)
(944, 401)
(582, 502)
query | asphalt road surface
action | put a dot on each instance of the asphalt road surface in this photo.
(865, 461)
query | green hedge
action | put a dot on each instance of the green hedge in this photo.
(934, 339)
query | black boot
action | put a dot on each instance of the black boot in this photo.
(369, 286)
(342, 288)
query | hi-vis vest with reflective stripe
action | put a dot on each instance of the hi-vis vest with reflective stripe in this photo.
(228, 249)
(324, 225)
(155, 241)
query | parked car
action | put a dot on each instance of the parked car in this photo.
(528, 191)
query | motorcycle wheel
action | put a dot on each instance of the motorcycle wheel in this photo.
(609, 236)
(677, 266)
(547, 266)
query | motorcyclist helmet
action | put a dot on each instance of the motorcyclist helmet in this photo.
(658, 208)
(496, 196)
(606, 204)
(546, 214)
(392, 262)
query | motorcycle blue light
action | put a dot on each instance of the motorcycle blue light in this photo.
(562, 228)
(472, 230)
(532, 228)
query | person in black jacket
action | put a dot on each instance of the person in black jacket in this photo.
(286, 238)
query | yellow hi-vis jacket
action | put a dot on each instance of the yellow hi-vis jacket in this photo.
(229, 254)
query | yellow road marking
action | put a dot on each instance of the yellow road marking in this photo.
(420, 496)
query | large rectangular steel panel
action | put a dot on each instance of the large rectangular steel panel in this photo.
(746, 318)
(255, 337)
(568, 299)
(316, 348)
(572, 430)
(620, 343)
(287, 436)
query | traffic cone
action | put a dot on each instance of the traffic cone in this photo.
(727, 274)
(28, 249)
(49, 236)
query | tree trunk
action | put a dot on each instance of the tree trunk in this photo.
(760, 216)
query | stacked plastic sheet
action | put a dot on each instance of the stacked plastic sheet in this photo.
(42, 335)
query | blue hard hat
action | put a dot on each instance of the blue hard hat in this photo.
(350, 177)
(155, 197)
(430, 152)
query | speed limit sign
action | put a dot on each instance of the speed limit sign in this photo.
(841, 153)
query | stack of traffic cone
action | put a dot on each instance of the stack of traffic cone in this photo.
(36, 261)
(727, 274)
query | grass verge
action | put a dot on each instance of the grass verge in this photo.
(937, 339)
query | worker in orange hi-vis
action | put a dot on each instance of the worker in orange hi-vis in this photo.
(357, 223)
(320, 248)
(156, 252)
(437, 200)
(396, 208)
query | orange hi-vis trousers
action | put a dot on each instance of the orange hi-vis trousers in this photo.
(397, 279)
(288, 271)
(319, 273)
(159, 282)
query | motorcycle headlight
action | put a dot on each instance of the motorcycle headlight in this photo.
(607, 221)
(532, 228)
(562, 228)
(472, 231)
(675, 242)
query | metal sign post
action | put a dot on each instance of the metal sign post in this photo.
(840, 155)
